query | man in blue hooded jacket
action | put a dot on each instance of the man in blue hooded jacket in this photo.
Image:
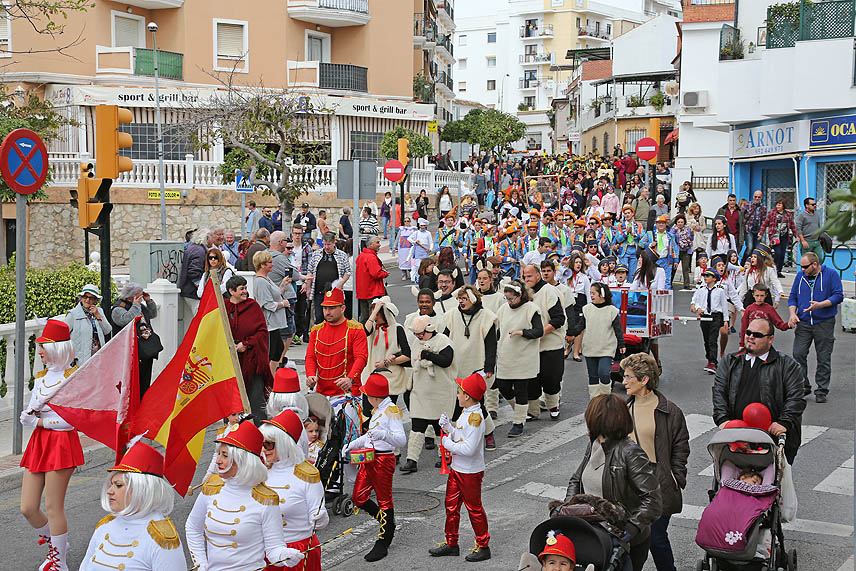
(813, 304)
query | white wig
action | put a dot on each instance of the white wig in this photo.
(251, 468)
(278, 402)
(145, 495)
(286, 448)
(58, 355)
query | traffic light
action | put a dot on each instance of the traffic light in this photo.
(403, 151)
(108, 140)
(92, 198)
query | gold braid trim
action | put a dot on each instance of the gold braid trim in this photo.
(70, 371)
(393, 411)
(106, 519)
(213, 486)
(381, 518)
(317, 328)
(164, 533)
(475, 419)
(354, 324)
(266, 496)
(307, 472)
(41, 374)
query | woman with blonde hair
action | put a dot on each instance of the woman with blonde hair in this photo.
(270, 297)
(696, 223)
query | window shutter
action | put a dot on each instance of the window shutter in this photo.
(230, 40)
(127, 32)
(4, 25)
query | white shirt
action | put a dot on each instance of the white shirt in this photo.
(466, 441)
(125, 543)
(659, 282)
(47, 383)
(718, 300)
(386, 431)
(534, 257)
(751, 358)
(425, 238)
(300, 494)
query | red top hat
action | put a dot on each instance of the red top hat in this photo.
(246, 437)
(561, 545)
(333, 298)
(286, 381)
(54, 331)
(288, 422)
(376, 386)
(473, 385)
(140, 459)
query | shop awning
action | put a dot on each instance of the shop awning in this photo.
(671, 137)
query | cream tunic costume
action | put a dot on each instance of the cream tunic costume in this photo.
(433, 386)
(385, 343)
(148, 543)
(517, 357)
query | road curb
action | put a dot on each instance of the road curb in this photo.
(94, 456)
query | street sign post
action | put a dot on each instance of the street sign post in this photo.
(24, 167)
(242, 185)
(646, 149)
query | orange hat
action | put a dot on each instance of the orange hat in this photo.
(532, 224)
(333, 298)
(628, 207)
(54, 332)
(140, 459)
(579, 222)
(246, 437)
(594, 217)
(474, 386)
(663, 218)
(288, 422)
(286, 381)
(558, 544)
(376, 386)
(535, 212)
(450, 215)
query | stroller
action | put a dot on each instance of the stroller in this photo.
(593, 545)
(741, 529)
(341, 429)
(633, 344)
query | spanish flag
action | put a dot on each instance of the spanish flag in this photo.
(201, 385)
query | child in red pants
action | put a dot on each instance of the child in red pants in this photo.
(465, 441)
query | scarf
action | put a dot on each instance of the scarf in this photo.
(385, 328)
(471, 312)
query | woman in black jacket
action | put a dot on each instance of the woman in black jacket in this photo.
(660, 428)
(616, 469)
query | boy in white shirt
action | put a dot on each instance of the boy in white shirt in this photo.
(710, 301)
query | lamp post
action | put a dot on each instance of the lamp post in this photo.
(153, 28)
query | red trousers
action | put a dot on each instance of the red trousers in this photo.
(466, 489)
(377, 476)
(312, 561)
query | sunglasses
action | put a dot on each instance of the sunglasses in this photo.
(757, 334)
(213, 258)
(269, 445)
(805, 266)
(289, 247)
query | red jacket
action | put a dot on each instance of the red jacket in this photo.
(754, 311)
(369, 275)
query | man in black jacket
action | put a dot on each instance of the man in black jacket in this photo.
(759, 373)
(306, 219)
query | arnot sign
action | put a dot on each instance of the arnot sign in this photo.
(773, 139)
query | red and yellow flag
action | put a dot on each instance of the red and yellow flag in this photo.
(199, 386)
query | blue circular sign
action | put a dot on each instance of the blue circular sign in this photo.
(23, 161)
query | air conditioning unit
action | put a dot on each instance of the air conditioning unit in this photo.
(695, 99)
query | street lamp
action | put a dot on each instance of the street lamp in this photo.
(153, 28)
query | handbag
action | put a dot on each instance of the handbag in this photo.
(148, 342)
(825, 242)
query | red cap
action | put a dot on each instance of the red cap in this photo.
(473, 385)
(246, 437)
(559, 545)
(286, 381)
(333, 298)
(288, 422)
(54, 332)
(140, 459)
(376, 386)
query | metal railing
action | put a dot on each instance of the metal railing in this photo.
(826, 20)
(536, 58)
(537, 31)
(424, 27)
(705, 2)
(528, 82)
(444, 78)
(170, 64)
(361, 6)
(593, 32)
(342, 76)
(730, 43)
(710, 182)
(446, 6)
(445, 42)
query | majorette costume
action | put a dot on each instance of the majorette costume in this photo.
(138, 541)
(235, 527)
(385, 434)
(464, 442)
(301, 498)
(286, 383)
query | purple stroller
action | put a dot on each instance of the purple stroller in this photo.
(741, 516)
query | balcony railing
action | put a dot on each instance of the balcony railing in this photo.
(593, 32)
(540, 30)
(445, 79)
(705, 2)
(446, 6)
(445, 42)
(528, 82)
(424, 28)
(332, 13)
(361, 6)
(826, 20)
(536, 58)
(343, 77)
(170, 64)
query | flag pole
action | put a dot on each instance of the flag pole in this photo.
(230, 341)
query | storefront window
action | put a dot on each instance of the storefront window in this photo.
(365, 145)
(145, 135)
(779, 183)
(831, 176)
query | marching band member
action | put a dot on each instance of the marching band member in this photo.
(508, 249)
(463, 440)
(136, 535)
(53, 450)
(385, 434)
(661, 242)
(630, 235)
(286, 395)
(448, 235)
(235, 524)
(607, 235)
(299, 486)
(388, 346)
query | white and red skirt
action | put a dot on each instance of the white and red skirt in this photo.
(50, 450)
(312, 561)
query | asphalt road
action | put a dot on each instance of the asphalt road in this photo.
(523, 474)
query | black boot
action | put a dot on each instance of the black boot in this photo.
(429, 444)
(445, 550)
(380, 549)
(370, 508)
(478, 554)
(390, 526)
(408, 467)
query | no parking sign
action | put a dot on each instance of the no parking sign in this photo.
(24, 161)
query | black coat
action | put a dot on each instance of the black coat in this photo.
(192, 268)
(782, 391)
(629, 480)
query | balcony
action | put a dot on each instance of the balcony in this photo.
(446, 13)
(528, 82)
(138, 61)
(708, 10)
(593, 33)
(424, 31)
(155, 4)
(331, 13)
(536, 59)
(828, 20)
(537, 32)
(444, 84)
(332, 76)
(445, 49)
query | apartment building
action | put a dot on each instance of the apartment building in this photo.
(434, 59)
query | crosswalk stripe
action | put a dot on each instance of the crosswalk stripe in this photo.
(848, 565)
(698, 424)
(840, 481)
(541, 490)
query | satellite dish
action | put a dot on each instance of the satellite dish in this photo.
(672, 88)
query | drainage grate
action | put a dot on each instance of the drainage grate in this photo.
(412, 501)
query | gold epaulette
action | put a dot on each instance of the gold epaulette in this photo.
(221, 431)
(164, 533)
(307, 472)
(41, 374)
(475, 419)
(354, 324)
(265, 495)
(393, 411)
(106, 519)
(213, 486)
(318, 326)
(70, 371)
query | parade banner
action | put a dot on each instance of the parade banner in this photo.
(101, 397)
(404, 246)
(202, 384)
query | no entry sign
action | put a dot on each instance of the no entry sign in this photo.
(647, 148)
(393, 170)
(23, 161)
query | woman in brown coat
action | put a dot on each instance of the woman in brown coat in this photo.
(660, 429)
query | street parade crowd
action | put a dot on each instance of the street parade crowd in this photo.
(532, 267)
